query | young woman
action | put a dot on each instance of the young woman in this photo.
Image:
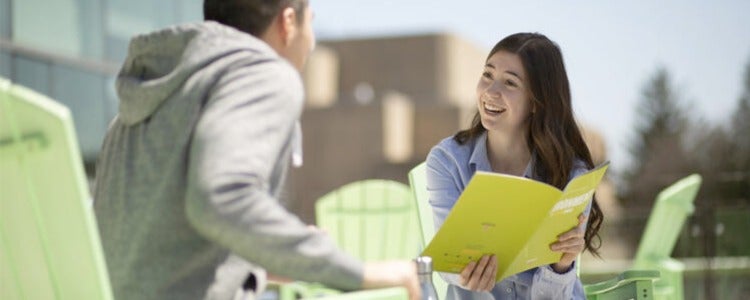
(524, 127)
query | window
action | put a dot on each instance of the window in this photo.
(65, 27)
(5, 60)
(5, 20)
(127, 18)
(83, 93)
(398, 127)
(31, 74)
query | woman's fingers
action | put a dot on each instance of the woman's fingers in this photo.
(466, 273)
(582, 219)
(488, 277)
(577, 232)
(480, 275)
(568, 245)
(478, 271)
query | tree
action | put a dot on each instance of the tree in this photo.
(724, 155)
(738, 171)
(658, 148)
(740, 126)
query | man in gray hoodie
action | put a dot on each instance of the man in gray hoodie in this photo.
(190, 171)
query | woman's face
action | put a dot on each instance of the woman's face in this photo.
(503, 100)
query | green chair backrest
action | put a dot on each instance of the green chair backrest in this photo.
(371, 219)
(418, 182)
(49, 243)
(673, 205)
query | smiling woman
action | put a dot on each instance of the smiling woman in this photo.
(524, 126)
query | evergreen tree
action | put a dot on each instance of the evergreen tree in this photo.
(740, 127)
(723, 154)
(740, 144)
(659, 156)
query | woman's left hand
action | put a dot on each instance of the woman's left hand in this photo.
(570, 243)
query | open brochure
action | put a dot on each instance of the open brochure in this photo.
(515, 218)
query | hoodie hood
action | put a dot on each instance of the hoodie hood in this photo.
(158, 63)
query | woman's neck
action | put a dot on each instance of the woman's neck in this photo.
(508, 154)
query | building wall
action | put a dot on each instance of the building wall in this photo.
(344, 143)
(460, 67)
(345, 138)
(435, 68)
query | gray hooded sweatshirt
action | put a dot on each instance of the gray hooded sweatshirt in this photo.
(191, 168)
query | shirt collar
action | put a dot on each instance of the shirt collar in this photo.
(479, 161)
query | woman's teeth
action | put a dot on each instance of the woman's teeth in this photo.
(491, 108)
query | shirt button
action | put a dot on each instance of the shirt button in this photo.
(508, 290)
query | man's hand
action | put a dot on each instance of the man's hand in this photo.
(570, 243)
(480, 275)
(393, 273)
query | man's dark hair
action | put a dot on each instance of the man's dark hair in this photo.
(250, 16)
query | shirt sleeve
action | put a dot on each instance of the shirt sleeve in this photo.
(235, 154)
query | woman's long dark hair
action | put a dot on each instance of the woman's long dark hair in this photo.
(553, 137)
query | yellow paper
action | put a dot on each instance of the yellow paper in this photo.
(515, 218)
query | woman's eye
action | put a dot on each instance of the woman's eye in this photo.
(487, 75)
(510, 83)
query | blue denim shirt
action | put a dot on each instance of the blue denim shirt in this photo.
(450, 166)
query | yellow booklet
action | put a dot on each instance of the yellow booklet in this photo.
(515, 218)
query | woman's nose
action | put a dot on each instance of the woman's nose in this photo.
(495, 88)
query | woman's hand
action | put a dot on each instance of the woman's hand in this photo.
(571, 244)
(480, 276)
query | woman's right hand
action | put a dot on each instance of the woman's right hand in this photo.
(480, 275)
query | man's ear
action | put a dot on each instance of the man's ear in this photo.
(289, 26)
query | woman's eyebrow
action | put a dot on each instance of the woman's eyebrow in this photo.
(514, 74)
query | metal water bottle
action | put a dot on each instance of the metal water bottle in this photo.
(424, 272)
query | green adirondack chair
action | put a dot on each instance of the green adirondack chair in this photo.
(49, 243)
(418, 182)
(633, 284)
(672, 207)
(371, 219)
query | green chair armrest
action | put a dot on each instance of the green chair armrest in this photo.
(621, 280)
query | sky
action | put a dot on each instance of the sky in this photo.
(611, 48)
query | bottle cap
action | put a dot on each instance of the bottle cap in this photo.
(424, 264)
